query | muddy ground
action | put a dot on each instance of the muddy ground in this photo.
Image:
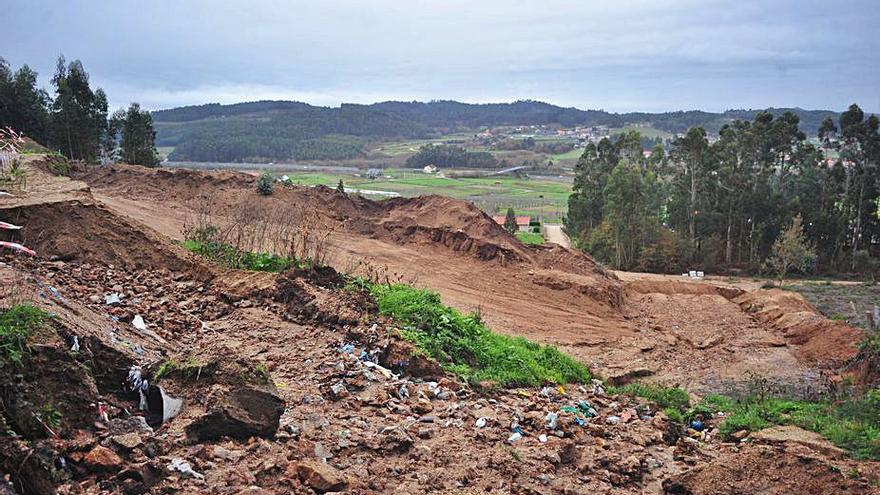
(290, 385)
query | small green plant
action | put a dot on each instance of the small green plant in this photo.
(58, 164)
(464, 346)
(190, 368)
(203, 244)
(16, 325)
(51, 416)
(262, 369)
(838, 317)
(265, 183)
(669, 398)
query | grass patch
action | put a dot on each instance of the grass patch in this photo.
(675, 401)
(232, 257)
(16, 325)
(530, 238)
(852, 424)
(464, 345)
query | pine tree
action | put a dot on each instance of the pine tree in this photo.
(340, 187)
(510, 221)
(138, 140)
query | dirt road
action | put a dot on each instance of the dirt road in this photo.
(555, 234)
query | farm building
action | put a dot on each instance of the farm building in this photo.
(522, 223)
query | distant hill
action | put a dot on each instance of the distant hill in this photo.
(278, 130)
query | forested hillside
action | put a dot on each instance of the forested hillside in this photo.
(278, 130)
(723, 205)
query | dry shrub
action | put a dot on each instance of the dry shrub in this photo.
(259, 226)
(376, 274)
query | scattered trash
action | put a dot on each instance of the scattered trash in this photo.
(381, 369)
(587, 409)
(138, 322)
(514, 437)
(18, 247)
(697, 425)
(136, 380)
(403, 392)
(347, 348)
(162, 407)
(481, 422)
(542, 438)
(612, 420)
(102, 412)
(552, 420)
(184, 468)
(9, 226)
(74, 346)
(112, 299)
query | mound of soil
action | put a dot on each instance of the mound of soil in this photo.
(670, 287)
(136, 182)
(825, 342)
(778, 469)
(88, 232)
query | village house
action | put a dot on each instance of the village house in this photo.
(522, 222)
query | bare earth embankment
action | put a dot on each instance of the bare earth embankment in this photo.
(274, 403)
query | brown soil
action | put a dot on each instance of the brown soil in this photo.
(243, 344)
(677, 331)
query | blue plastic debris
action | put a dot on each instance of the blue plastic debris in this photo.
(697, 425)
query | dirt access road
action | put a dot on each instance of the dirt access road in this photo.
(554, 233)
(625, 326)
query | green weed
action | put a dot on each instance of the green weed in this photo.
(229, 256)
(672, 398)
(464, 346)
(16, 325)
(852, 424)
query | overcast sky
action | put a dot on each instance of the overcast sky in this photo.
(617, 55)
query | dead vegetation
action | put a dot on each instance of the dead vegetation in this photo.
(253, 225)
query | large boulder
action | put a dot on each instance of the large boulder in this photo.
(240, 413)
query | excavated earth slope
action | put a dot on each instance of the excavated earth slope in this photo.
(290, 385)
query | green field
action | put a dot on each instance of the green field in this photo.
(541, 197)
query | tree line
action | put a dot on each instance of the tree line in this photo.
(722, 205)
(281, 130)
(451, 156)
(74, 119)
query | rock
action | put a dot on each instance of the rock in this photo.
(397, 440)
(102, 459)
(243, 413)
(793, 434)
(319, 476)
(568, 453)
(226, 454)
(423, 406)
(128, 441)
(741, 434)
(622, 377)
(338, 391)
